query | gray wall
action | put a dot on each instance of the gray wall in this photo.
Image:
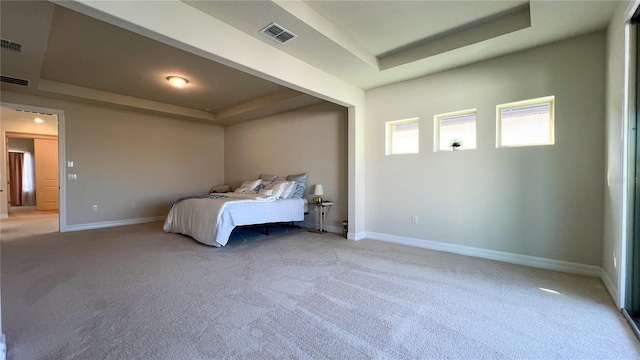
(541, 201)
(123, 156)
(311, 140)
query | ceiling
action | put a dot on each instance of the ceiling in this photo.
(366, 43)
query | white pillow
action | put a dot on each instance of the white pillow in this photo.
(265, 192)
(240, 190)
(251, 184)
(288, 189)
(277, 188)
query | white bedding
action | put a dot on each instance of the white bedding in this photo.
(210, 221)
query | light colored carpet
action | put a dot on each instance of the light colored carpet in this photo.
(27, 221)
(137, 293)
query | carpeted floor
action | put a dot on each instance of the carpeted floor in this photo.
(136, 293)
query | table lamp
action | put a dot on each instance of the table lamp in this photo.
(318, 193)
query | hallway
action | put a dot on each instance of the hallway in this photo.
(26, 221)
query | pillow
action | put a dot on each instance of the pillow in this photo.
(301, 182)
(265, 192)
(219, 189)
(288, 189)
(267, 178)
(277, 188)
(262, 184)
(251, 185)
(240, 190)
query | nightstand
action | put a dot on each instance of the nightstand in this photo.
(323, 209)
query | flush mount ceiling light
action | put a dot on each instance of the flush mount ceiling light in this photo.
(38, 120)
(177, 81)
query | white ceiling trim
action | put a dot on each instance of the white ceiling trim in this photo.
(104, 97)
(325, 27)
(465, 35)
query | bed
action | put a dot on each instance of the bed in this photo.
(211, 219)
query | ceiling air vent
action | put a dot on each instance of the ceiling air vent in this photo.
(32, 112)
(278, 33)
(16, 81)
(10, 45)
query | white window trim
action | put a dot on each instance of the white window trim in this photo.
(538, 101)
(436, 127)
(389, 135)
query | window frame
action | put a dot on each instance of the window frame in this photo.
(523, 103)
(436, 127)
(389, 135)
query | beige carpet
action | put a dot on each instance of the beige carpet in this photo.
(137, 293)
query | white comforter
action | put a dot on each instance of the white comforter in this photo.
(211, 221)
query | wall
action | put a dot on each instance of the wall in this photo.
(614, 142)
(543, 201)
(123, 157)
(19, 144)
(312, 140)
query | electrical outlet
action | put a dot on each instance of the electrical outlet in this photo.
(95, 207)
(414, 219)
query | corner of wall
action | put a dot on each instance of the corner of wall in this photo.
(611, 288)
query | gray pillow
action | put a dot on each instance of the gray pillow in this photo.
(267, 178)
(301, 184)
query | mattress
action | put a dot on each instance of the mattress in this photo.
(211, 221)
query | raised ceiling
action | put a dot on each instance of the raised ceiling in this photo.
(366, 43)
(350, 39)
(70, 55)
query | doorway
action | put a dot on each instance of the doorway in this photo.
(32, 167)
(632, 285)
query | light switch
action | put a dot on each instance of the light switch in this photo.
(69, 163)
(72, 176)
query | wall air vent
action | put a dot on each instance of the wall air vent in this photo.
(16, 81)
(10, 45)
(278, 33)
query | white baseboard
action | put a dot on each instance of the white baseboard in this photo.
(356, 236)
(107, 224)
(612, 289)
(4, 216)
(532, 261)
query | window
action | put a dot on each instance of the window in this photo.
(525, 123)
(455, 128)
(402, 137)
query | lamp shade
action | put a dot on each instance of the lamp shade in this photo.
(318, 191)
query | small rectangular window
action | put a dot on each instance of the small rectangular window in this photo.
(526, 123)
(455, 131)
(402, 137)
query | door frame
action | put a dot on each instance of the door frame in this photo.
(20, 135)
(62, 169)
